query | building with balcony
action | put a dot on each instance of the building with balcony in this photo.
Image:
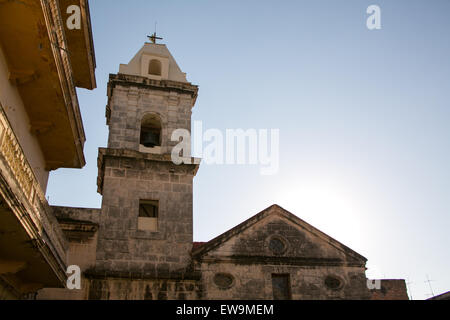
(46, 50)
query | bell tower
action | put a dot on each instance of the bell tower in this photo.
(146, 224)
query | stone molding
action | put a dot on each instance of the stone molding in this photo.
(21, 189)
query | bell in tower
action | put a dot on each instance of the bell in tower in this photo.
(150, 131)
(149, 139)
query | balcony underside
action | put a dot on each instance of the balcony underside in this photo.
(23, 265)
(39, 68)
(32, 246)
(81, 46)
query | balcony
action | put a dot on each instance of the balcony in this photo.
(45, 62)
(32, 246)
(41, 63)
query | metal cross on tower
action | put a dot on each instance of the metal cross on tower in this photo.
(153, 37)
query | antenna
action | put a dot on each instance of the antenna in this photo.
(153, 37)
(429, 283)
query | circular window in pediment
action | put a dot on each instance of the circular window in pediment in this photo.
(334, 283)
(223, 280)
(277, 245)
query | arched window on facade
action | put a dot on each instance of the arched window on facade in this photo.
(150, 131)
(154, 67)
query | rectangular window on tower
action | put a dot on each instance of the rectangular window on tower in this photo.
(281, 287)
(148, 215)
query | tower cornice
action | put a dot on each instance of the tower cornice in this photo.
(136, 155)
(126, 80)
(140, 81)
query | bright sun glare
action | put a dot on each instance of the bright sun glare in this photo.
(329, 207)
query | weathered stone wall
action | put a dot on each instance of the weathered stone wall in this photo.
(254, 281)
(133, 263)
(129, 289)
(80, 227)
(299, 243)
(391, 289)
(121, 246)
(307, 257)
(76, 214)
(129, 104)
(65, 294)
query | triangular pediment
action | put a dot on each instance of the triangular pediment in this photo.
(168, 68)
(275, 234)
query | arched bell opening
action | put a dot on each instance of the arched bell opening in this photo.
(150, 131)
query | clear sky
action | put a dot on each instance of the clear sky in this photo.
(363, 118)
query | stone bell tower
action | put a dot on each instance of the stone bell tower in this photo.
(146, 224)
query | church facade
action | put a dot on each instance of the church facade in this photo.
(139, 245)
